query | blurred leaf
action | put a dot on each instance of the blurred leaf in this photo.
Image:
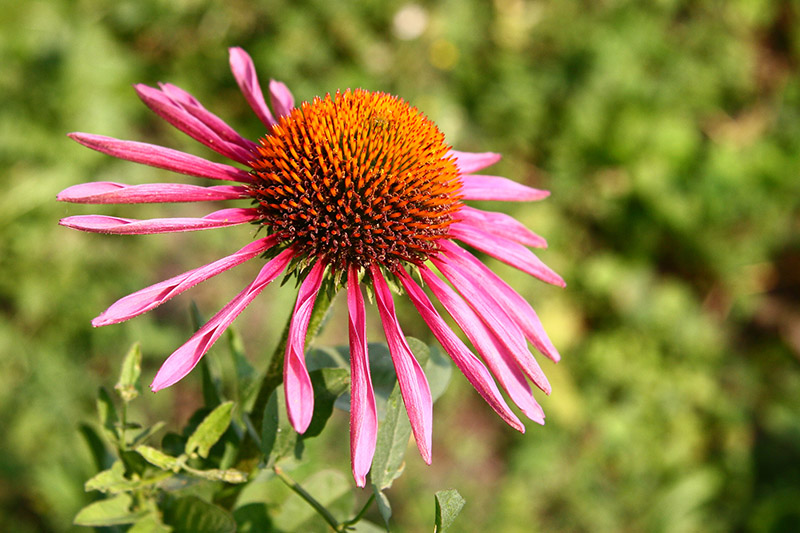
(329, 384)
(193, 515)
(210, 430)
(128, 387)
(448, 505)
(438, 370)
(278, 437)
(102, 457)
(109, 512)
(158, 458)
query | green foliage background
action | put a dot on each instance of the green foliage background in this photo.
(668, 132)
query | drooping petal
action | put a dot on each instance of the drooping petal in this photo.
(151, 297)
(196, 109)
(475, 187)
(469, 162)
(494, 316)
(130, 226)
(296, 381)
(475, 372)
(182, 119)
(506, 251)
(185, 358)
(500, 224)
(245, 73)
(281, 98)
(517, 307)
(413, 383)
(160, 157)
(496, 355)
(363, 413)
(108, 192)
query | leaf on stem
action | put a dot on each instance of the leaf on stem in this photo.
(128, 387)
(210, 430)
(448, 504)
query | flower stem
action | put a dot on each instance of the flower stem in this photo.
(310, 500)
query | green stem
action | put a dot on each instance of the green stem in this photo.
(310, 500)
(357, 518)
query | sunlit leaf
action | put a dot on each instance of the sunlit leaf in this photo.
(210, 430)
(158, 458)
(109, 512)
(128, 387)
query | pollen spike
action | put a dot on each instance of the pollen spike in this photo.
(376, 198)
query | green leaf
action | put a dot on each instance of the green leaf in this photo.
(190, 514)
(210, 430)
(158, 458)
(448, 504)
(108, 480)
(278, 437)
(384, 507)
(128, 386)
(109, 512)
(393, 435)
(107, 414)
(150, 524)
(113, 480)
(329, 384)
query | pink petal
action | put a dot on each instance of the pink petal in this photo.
(506, 251)
(297, 383)
(151, 297)
(185, 358)
(494, 316)
(363, 413)
(475, 187)
(182, 119)
(496, 355)
(245, 73)
(196, 109)
(281, 98)
(469, 365)
(517, 307)
(107, 192)
(413, 383)
(129, 226)
(469, 162)
(499, 224)
(160, 157)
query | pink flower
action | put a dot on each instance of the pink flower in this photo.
(358, 186)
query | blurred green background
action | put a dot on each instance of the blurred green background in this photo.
(668, 132)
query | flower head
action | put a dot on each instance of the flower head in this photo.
(358, 187)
